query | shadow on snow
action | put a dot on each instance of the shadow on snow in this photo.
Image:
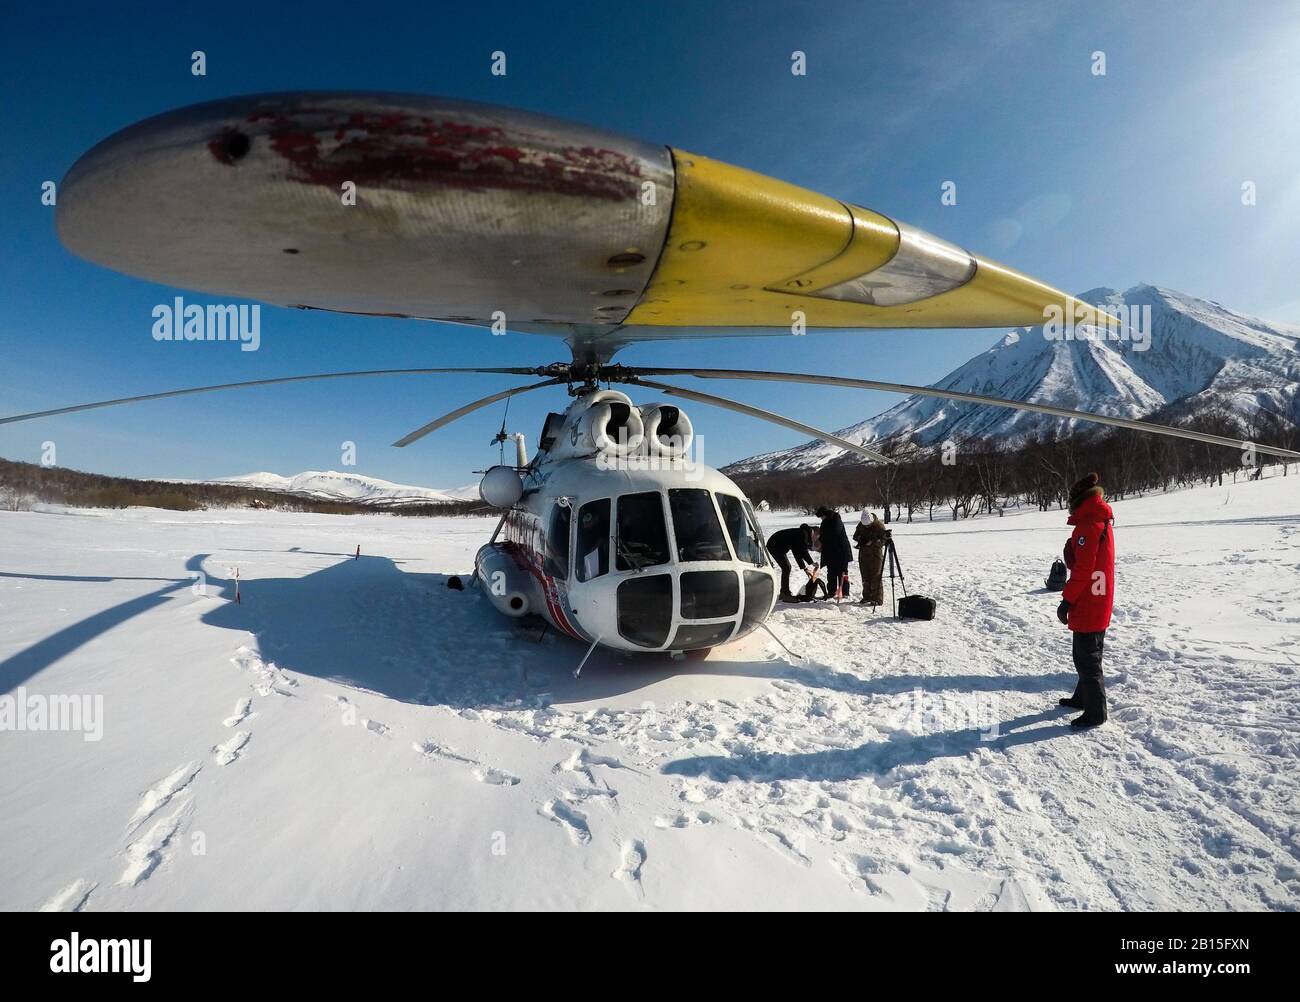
(367, 624)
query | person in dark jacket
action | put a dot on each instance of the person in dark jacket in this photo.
(836, 552)
(870, 537)
(1089, 595)
(786, 543)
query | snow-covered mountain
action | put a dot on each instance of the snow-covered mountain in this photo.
(467, 493)
(333, 486)
(1200, 356)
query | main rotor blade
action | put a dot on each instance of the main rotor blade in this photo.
(975, 398)
(460, 412)
(758, 412)
(252, 382)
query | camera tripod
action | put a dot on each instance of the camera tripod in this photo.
(895, 565)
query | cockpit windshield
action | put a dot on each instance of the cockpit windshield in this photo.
(695, 525)
(641, 539)
(745, 538)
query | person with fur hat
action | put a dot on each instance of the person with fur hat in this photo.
(1089, 595)
(870, 537)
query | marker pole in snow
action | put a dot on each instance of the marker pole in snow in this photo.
(358, 556)
(237, 602)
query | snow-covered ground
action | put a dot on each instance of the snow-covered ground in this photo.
(356, 735)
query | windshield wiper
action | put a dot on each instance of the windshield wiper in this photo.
(629, 556)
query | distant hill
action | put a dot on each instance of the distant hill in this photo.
(25, 484)
(348, 487)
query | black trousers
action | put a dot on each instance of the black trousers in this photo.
(835, 573)
(783, 561)
(1090, 693)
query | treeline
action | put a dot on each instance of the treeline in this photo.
(25, 484)
(962, 479)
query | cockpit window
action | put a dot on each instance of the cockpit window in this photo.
(592, 556)
(642, 538)
(740, 527)
(695, 524)
(557, 542)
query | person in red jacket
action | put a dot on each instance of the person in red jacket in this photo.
(1089, 595)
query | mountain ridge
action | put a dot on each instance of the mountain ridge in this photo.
(1199, 357)
(330, 485)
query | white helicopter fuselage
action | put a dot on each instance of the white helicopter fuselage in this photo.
(618, 537)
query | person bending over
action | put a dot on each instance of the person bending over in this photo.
(787, 543)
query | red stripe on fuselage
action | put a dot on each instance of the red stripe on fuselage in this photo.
(526, 560)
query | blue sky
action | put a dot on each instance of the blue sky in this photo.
(1077, 179)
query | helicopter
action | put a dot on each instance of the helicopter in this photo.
(430, 208)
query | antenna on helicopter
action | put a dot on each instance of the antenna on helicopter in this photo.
(501, 436)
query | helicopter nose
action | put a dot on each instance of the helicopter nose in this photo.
(399, 205)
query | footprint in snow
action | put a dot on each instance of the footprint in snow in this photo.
(351, 717)
(582, 762)
(483, 773)
(158, 795)
(241, 711)
(582, 794)
(629, 869)
(72, 898)
(268, 678)
(493, 777)
(786, 845)
(572, 820)
(148, 852)
(229, 751)
(686, 820)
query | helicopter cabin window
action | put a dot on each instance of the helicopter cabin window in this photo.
(642, 538)
(592, 559)
(695, 524)
(557, 543)
(745, 537)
